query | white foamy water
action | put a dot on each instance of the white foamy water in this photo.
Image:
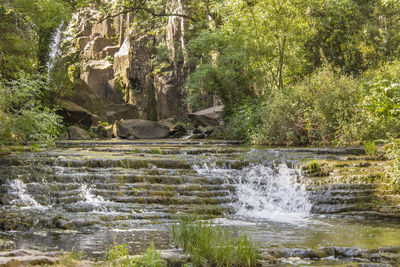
(273, 193)
(19, 189)
(266, 193)
(97, 202)
(55, 46)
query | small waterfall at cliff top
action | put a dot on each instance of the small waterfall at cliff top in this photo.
(273, 193)
(55, 46)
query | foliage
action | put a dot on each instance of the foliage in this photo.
(118, 255)
(38, 20)
(383, 98)
(24, 113)
(369, 147)
(211, 245)
(393, 154)
(322, 109)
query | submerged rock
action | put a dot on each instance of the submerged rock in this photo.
(140, 129)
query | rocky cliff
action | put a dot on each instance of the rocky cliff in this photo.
(119, 70)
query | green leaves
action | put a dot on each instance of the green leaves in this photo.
(25, 116)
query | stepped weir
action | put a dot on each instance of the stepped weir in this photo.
(84, 195)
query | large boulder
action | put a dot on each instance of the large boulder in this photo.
(140, 129)
(208, 117)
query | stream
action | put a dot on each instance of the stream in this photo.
(86, 195)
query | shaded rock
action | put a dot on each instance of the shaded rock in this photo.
(121, 111)
(169, 96)
(208, 117)
(24, 257)
(82, 107)
(140, 129)
(178, 131)
(74, 114)
(103, 132)
(197, 136)
(197, 131)
(75, 133)
(175, 126)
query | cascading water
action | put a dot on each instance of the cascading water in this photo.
(55, 46)
(271, 193)
(261, 192)
(19, 189)
(97, 202)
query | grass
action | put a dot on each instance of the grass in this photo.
(212, 245)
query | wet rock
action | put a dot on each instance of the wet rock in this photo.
(23, 257)
(75, 133)
(208, 117)
(140, 129)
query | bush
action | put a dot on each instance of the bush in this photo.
(393, 154)
(210, 245)
(24, 114)
(324, 109)
(383, 98)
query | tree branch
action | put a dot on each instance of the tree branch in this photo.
(152, 12)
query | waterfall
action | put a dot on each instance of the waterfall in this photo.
(19, 189)
(55, 46)
(272, 193)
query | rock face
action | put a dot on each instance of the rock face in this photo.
(24, 257)
(116, 67)
(208, 117)
(140, 129)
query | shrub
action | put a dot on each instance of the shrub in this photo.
(324, 109)
(24, 113)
